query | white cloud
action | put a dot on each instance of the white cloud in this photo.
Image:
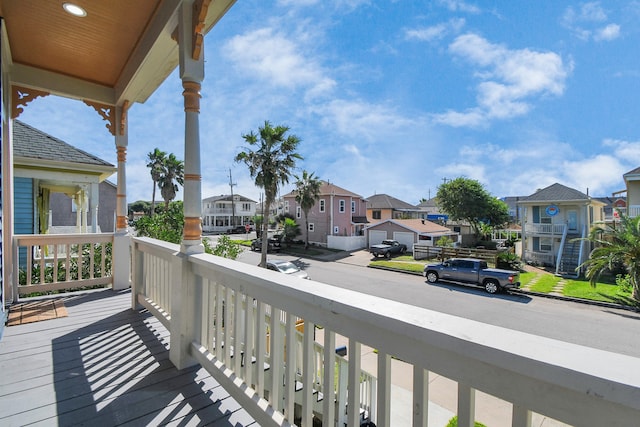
(608, 33)
(585, 22)
(362, 121)
(275, 59)
(508, 79)
(460, 6)
(435, 32)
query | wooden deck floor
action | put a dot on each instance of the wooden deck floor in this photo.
(104, 365)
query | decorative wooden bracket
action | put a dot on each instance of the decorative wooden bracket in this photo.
(20, 97)
(106, 112)
(123, 117)
(200, 8)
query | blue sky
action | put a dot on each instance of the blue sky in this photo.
(393, 96)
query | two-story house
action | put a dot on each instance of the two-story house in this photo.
(59, 188)
(381, 207)
(632, 181)
(338, 213)
(554, 219)
(221, 213)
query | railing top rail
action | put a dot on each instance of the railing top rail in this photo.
(49, 239)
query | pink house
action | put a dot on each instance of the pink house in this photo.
(338, 212)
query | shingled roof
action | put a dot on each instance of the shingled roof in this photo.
(555, 193)
(31, 143)
(384, 201)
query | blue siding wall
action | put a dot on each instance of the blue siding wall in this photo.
(23, 206)
(23, 212)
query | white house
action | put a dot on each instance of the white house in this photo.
(221, 213)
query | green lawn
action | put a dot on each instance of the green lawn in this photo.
(544, 283)
(604, 292)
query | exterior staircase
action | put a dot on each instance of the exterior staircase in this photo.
(569, 256)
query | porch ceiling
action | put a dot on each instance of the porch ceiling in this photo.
(121, 50)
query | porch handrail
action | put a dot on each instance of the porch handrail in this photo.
(540, 228)
(42, 259)
(535, 374)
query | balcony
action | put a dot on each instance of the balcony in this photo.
(634, 211)
(546, 229)
(245, 348)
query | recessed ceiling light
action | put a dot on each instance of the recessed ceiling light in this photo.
(74, 9)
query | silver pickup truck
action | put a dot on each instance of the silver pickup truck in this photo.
(473, 271)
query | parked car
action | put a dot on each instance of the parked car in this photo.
(286, 267)
(473, 271)
(238, 229)
(273, 245)
(388, 248)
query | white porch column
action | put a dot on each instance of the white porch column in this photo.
(94, 199)
(186, 295)
(121, 238)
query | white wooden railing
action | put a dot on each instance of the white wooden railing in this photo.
(539, 228)
(55, 262)
(210, 324)
(633, 211)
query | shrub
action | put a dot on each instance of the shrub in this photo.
(453, 422)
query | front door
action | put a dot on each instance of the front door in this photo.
(572, 221)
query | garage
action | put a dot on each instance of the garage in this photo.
(376, 237)
(407, 238)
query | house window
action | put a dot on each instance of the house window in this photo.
(376, 214)
(336, 229)
(322, 205)
(286, 206)
(546, 244)
(342, 206)
(353, 206)
(544, 218)
(298, 212)
(246, 207)
(311, 227)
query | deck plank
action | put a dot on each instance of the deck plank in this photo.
(104, 364)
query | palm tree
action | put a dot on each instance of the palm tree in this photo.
(270, 164)
(307, 194)
(617, 245)
(156, 164)
(172, 176)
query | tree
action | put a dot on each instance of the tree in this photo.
(156, 164)
(290, 229)
(172, 175)
(167, 225)
(617, 244)
(466, 199)
(270, 164)
(307, 194)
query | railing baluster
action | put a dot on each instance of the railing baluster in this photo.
(276, 358)
(227, 309)
(466, 405)
(420, 397)
(249, 324)
(521, 417)
(308, 374)
(92, 259)
(237, 331)
(353, 396)
(329, 362)
(219, 319)
(260, 349)
(290, 368)
(383, 415)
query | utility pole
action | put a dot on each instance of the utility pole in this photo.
(233, 202)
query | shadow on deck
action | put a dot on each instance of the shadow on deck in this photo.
(104, 364)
